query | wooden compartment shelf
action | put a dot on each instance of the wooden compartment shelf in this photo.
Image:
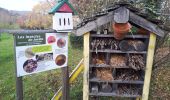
(119, 51)
(107, 66)
(113, 95)
(127, 36)
(116, 81)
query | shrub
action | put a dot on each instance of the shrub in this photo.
(76, 41)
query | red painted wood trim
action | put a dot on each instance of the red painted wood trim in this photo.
(65, 8)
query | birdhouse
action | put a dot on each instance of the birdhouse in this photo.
(63, 16)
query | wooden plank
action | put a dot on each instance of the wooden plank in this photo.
(79, 68)
(118, 51)
(65, 83)
(109, 66)
(116, 81)
(94, 24)
(19, 88)
(138, 98)
(146, 24)
(127, 36)
(22, 31)
(113, 95)
(149, 64)
(86, 67)
(121, 15)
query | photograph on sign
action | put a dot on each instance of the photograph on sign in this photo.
(40, 52)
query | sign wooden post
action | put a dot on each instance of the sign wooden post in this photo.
(65, 79)
(19, 88)
(19, 82)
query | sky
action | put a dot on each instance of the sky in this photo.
(20, 5)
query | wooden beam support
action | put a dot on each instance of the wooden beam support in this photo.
(65, 83)
(94, 24)
(139, 98)
(121, 15)
(146, 24)
(149, 64)
(19, 81)
(86, 67)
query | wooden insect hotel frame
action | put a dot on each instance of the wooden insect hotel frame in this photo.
(118, 66)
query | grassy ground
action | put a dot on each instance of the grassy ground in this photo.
(7, 76)
(160, 85)
(42, 86)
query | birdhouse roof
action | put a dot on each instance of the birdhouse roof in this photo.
(120, 12)
(63, 6)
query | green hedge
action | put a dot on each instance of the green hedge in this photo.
(76, 41)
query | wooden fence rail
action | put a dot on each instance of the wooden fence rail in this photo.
(26, 31)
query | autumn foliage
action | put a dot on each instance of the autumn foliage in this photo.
(38, 18)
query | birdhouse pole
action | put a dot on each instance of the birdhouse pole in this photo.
(63, 24)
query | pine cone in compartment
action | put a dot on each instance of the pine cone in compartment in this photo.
(104, 74)
(137, 45)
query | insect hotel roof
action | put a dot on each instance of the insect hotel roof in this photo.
(127, 12)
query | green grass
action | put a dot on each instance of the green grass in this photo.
(7, 76)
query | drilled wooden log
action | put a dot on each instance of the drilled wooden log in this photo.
(137, 45)
(132, 45)
(124, 46)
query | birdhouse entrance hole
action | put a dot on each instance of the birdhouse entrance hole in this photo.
(62, 21)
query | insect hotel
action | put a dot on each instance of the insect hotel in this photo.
(119, 45)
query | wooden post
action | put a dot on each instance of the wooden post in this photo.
(19, 82)
(65, 88)
(139, 98)
(19, 88)
(86, 67)
(149, 64)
